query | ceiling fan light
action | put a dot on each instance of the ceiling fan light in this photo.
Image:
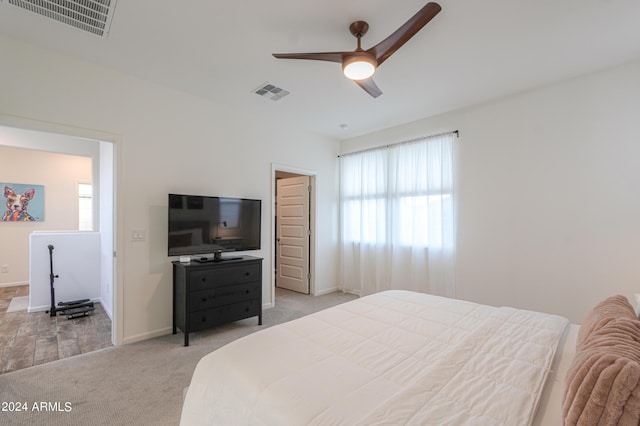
(359, 67)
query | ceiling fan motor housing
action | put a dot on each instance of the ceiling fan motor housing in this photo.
(359, 65)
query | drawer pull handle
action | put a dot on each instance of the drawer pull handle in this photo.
(247, 273)
(204, 279)
(204, 299)
(246, 291)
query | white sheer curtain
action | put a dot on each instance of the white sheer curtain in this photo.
(397, 218)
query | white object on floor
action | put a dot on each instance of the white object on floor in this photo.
(18, 304)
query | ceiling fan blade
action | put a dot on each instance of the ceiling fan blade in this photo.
(320, 56)
(389, 45)
(369, 86)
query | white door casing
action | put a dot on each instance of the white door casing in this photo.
(292, 234)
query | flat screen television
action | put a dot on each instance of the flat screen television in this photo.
(212, 225)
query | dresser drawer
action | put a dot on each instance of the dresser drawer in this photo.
(219, 296)
(213, 293)
(207, 278)
(209, 317)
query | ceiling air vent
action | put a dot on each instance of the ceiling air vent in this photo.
(272, 92)
(93, 16)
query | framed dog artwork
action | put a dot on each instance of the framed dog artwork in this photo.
(22, 202)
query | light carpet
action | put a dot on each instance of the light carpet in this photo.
(136, 384)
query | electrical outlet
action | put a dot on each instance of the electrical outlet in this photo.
(4, 269)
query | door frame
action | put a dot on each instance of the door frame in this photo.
(117, 303)
(313, 210)
(299, 187)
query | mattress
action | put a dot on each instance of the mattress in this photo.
(395, 357)
(550, 411)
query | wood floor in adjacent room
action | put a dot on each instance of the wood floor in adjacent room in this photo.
(28, 339)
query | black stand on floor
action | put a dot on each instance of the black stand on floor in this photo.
(73, 309)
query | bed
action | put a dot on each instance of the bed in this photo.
(395, 357)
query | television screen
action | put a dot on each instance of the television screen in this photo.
(202, 225)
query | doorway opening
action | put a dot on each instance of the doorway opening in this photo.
(294, 213)
(46, 139)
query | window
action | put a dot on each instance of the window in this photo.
(397, 217)
(399, 195)
(85, 207)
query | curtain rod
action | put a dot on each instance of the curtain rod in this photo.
(454, 132)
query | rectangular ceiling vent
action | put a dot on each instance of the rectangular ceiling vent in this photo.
(272, 92)
(93, 16)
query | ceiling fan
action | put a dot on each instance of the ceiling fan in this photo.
(360, 64)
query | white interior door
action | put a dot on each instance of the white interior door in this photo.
(292, 234)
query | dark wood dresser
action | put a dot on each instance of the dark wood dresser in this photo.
(214, 293)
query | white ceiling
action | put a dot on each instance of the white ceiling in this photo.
(473, 51)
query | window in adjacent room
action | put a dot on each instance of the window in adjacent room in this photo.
(85, 207)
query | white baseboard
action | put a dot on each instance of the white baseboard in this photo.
(326, 291)
(31, 309)
(19, 283)
(107, 311)
(146, 336)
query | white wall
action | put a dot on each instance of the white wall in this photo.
(169, 142)
(75, 259)
(106, 208)
(60, 174)
(548, 191)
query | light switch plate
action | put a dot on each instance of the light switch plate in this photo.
(138, 235)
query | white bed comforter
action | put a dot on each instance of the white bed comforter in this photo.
(395, 357)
